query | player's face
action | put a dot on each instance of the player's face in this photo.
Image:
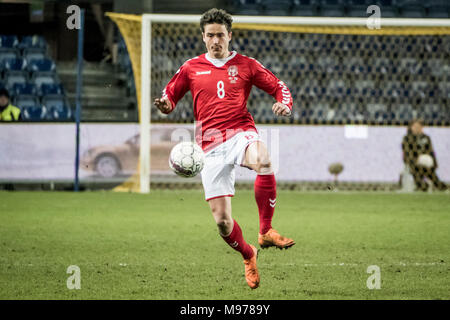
(217, 39)
(416, 128)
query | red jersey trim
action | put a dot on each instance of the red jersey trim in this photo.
(227, 195)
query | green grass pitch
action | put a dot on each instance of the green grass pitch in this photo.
(165, 246)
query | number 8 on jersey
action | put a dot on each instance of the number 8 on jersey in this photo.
(220, 89)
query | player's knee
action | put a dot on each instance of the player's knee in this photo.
(225, 226)
(263, 163)
(224, 223)
(223, 220)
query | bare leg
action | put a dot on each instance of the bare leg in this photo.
(232, 234)
(221, 211)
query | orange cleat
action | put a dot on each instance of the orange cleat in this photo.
(273, 238)
(251, 270)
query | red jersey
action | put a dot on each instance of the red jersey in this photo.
(220, 90)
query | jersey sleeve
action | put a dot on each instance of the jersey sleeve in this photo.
(265, 80)
(431, 150)
(177, 86)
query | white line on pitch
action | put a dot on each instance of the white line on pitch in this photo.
(344, 264)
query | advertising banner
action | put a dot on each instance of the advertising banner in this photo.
(42, 152)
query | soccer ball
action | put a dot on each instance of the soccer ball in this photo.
(186, 159)
(425, 160)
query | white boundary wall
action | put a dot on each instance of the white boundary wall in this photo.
(45, 152)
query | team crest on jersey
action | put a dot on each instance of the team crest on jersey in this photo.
(232, 73)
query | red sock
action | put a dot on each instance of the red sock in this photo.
(265, 195)
(237, 242)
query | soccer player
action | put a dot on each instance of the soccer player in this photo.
(415, 143)
(220, 82)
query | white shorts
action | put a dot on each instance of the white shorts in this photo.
(218, 174)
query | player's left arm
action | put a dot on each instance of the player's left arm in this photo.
(265, 80)
(432, 153)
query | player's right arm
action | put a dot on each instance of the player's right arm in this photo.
(174, 91)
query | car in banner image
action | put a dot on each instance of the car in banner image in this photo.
(108, 161)
(112, 160)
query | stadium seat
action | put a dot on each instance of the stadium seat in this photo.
(247, 7)
(58, 107)
(320, 112)
(380, 116)
(351, 112)
(384, 3)
(438, 8)
(38, 79)
(34, 54)
(404, 117)
(48, 89)
(358, 8)
(42, 65)
(14, 64)
(277, 7)
(412, 11)
(23, 89)
(438, 13)
(60, 114)
(15, 77)
(34, 41)
(304, 113)
(357, 11)
(9, 41)
(54, 101)
(387, 7)
(433, 112)
(31, 108)
(34, 113)
(332, 8)
(25, 101)
(403, 112)
(444, 88)
(304, 8)
(8, 53)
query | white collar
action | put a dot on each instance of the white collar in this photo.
(220, 62)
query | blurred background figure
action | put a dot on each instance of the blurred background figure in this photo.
(414, 145)
(8, 112)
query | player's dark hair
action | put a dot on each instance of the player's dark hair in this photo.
(4, 93)
(215, 15)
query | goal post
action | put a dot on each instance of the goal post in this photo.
(139, 31)
(144, 118)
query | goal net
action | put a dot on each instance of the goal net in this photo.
(355, 89)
